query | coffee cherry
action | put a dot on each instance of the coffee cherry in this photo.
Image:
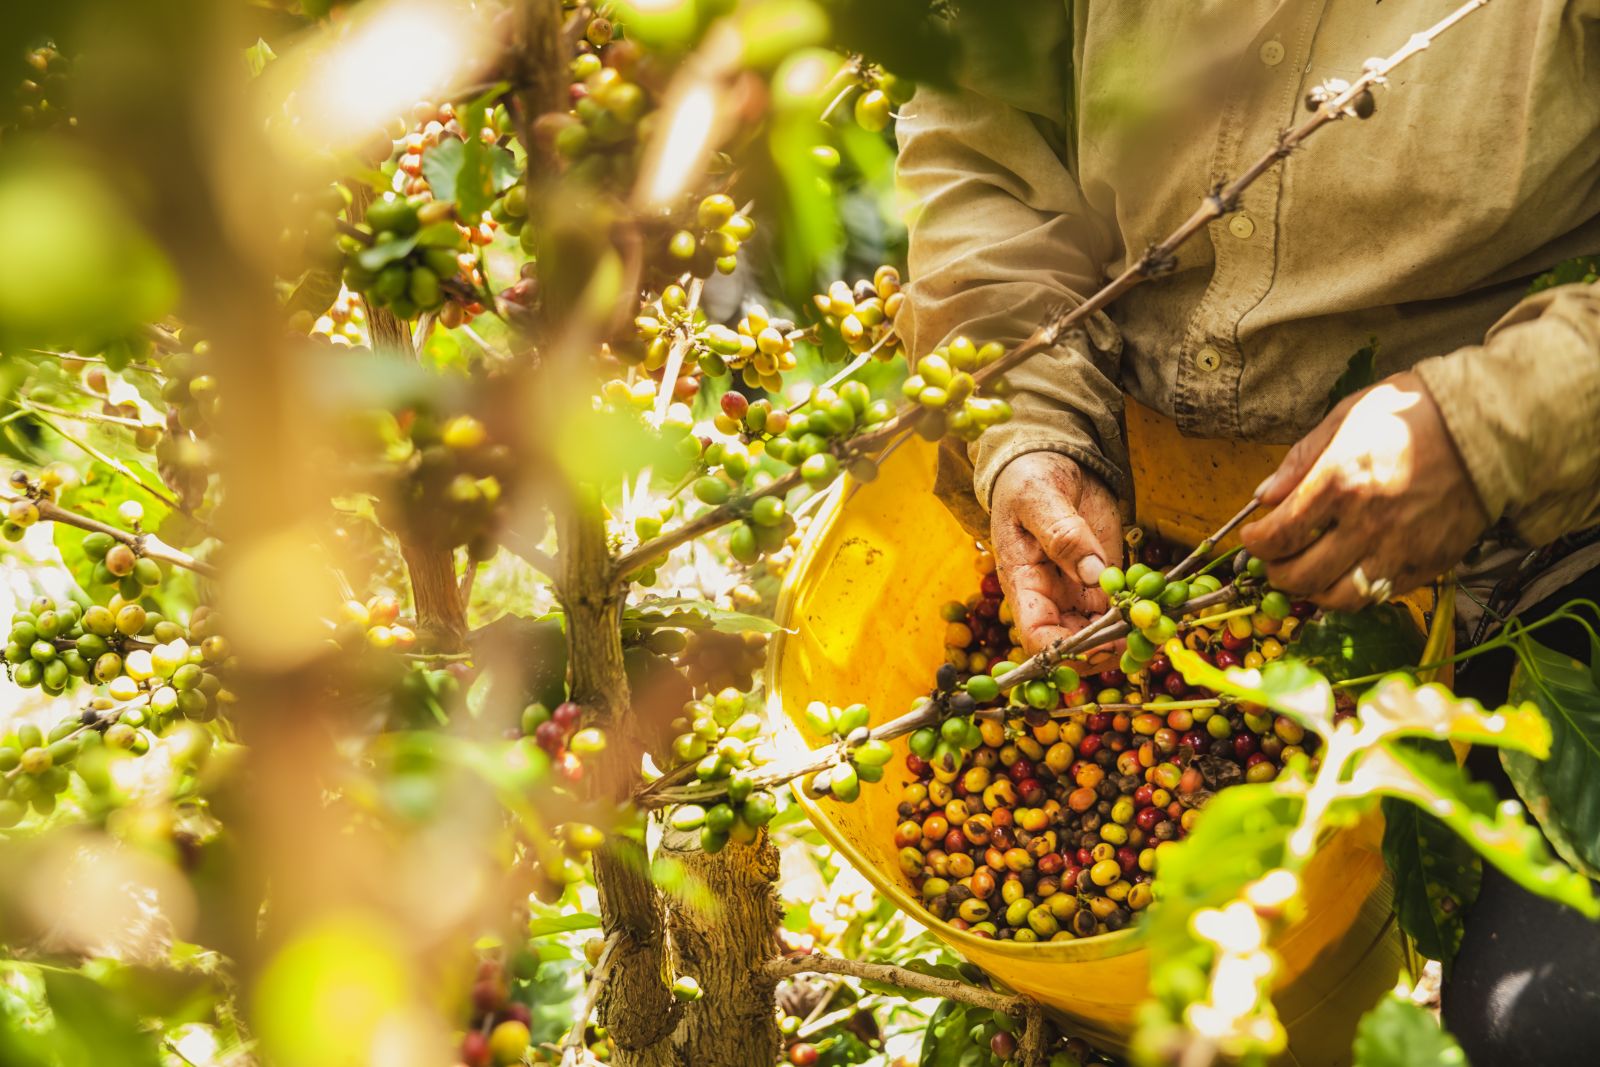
(803, 1054)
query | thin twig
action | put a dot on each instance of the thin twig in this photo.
(82, 416)
(120, 467)
(889, 974)
(143, 544)
(580, 1023)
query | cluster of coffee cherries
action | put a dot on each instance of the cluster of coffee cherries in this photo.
(722, 738)
(863, 314)
(499, 1035)
(137, 654)
(944, 384)
(864, 757)
(38, 97)
(714, 661)
(1048, 828)
(881, 92)
(415, 250)
(374, 623)
(119, 563)
(597, 138)
(712, 242)
(447, 488)
(827, 417)
(760, 347)
(557, 733)
(309, 241)
(24, 511)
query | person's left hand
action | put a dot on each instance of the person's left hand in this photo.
(1377, 485)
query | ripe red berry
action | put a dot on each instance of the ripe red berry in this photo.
(475, 1049)
(990, 585)
(550, 736)
(1226, 659)
(1098, 723)
(1113, 679)
(1174, 684)
(1244, 745)
(1003, 1045)
(734, 405)
(566, 714)
(802, 1054)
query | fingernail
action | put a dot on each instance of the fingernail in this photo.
(1089, 568)
(1266, 485)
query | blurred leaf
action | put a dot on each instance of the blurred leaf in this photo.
(777, 29)
(95, 1027)
(1398, 707)
(1243, 836)
(903, 35)
(1343, 644)
(77, 272)
(1436, 878)
(562, 924)
(1398, 1033)
(1562, 792)
(257, 56)
(1360, 372)
(797, 918)
(317, 291)
(327, 996)
(551, 996)
(1496, 830)
(540, 646)
(1287, 686)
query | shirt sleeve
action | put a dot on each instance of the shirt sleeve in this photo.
(1524, 411)
(1000, 234)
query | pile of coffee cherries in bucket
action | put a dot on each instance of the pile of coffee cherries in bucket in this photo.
(1039, 815)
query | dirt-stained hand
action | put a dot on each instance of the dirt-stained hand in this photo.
(1053, 527)
(1377, 485)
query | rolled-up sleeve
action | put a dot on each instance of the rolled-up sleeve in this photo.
(1000, 235)
(1524, 411)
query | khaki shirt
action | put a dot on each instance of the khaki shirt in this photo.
(1097, 131)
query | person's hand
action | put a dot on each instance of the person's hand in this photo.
(1377, 485)
(1053, 527)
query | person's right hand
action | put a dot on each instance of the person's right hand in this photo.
(1053, 527)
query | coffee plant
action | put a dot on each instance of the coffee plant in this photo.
(413, 410)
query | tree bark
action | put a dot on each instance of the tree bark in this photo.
(725, 947)
(637, 1005)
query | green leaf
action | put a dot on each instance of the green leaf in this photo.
(1343, 644)
(93, 1026)
(317, 291)
(1243, 835)
(1360, 372)
(1436, 876)
(562, 924)
(1496, 830)
(1398, 1033)
(257, 56)
(1562, 792)
(1398, 707)
(441, 165)
(378, 256)
(946, 1038)
(692, 613)
(1287, 686)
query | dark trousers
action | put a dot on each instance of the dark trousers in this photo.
(1525, 987)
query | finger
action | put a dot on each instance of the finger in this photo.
(1299, 520)
(1328, 559)
(1303, 456)
(1044, 637)
(1342, 595)
(1069, 540)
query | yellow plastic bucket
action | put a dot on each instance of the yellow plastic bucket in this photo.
(860, 607)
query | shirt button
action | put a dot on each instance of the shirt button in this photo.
(1208, 359)
(1272, 53)
(1241, 226)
